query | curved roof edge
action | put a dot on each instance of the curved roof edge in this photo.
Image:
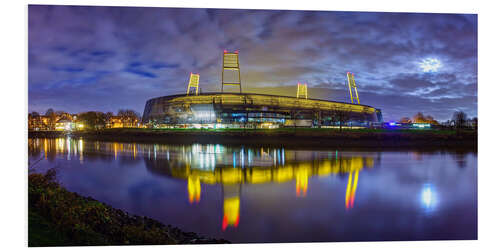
(231, 93)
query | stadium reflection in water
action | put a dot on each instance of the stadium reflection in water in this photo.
(232, 172)
(210, 164)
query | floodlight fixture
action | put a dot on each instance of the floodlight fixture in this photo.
(302, 90)
(194, 81)
(352, 85)
(230, 63)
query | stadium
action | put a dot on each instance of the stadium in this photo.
(248, 110)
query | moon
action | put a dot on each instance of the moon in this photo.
(430, 64)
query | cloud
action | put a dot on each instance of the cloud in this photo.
(151, 51)
(140, 72)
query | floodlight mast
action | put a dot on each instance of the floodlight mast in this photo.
(352, 84)
(230, 61)
(194, 81)
(302, 90)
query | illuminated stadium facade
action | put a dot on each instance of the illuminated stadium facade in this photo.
(247, 110)
(223, 110)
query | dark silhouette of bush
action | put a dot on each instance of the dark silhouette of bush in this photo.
(85, 221)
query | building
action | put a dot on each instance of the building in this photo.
(63, 121)
(122, 122)
(409, 125)
(64, 124)
(36, 122)
(247, 110)
(59, 121)
(239, 110)
(114, 122)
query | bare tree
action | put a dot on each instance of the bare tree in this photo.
(405, 120)
(93, 119)
(51, 119)
(128, 116)
(341, 116)
(474, 123)
(459, 118)
(49, 111)
(108, 116)
(421, 118)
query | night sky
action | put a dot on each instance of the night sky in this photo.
(110, 58)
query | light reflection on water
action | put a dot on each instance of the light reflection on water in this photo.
(429, 198)
(262, 194)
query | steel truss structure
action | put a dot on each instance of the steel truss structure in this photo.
(302, 90)
(230, 62)
(352, 85)
(194, 81)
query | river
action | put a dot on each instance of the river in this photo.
(251, 194)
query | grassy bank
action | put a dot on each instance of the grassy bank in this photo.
(290, 137)
(57, 217)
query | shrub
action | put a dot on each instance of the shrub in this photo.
(86, 221)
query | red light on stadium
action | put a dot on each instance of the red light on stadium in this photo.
(236, 51)
(237, 221)
(224, 223)
(225, 51)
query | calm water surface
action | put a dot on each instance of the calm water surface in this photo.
(249, 194)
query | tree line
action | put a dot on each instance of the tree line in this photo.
(90, 119)
(459, 120)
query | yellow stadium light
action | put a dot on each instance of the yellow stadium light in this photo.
(194, 80)
(302, 90)
(352, 84)
(230, 62)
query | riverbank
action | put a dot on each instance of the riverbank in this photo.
(58, 217)
(300, 137)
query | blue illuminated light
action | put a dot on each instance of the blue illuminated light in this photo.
(421, 125)
(242, 157)
(234, 159)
